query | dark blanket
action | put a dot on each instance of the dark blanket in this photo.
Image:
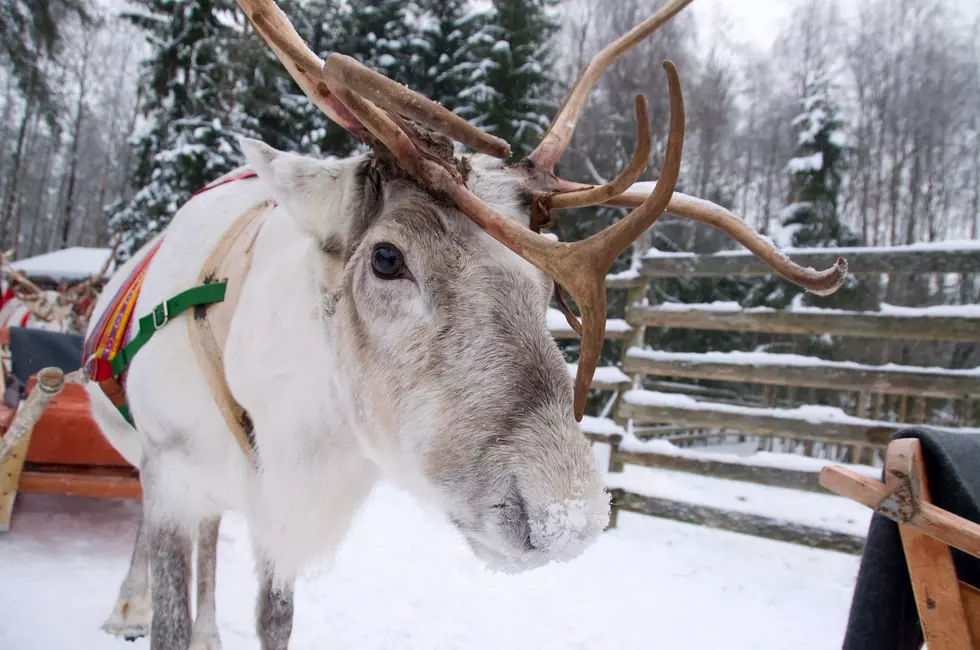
(32, 349)
(883, 613)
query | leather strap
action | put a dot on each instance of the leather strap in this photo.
(230, 261)
(160, 315)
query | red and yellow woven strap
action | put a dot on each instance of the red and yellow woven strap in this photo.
(110, 334)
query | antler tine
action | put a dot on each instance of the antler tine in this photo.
(559, 135)
(580, 267)
(615, 239)
(17, 276)
(622, 182)
(302, 64)
(822, 283)
(397, 98)
(309, 71)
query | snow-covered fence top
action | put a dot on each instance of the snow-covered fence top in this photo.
(616, 328)
(807, 422)
(933, 257)
(805, 372)
(940, 323)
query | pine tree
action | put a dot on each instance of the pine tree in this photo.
(188, 137)
(514, 91)
(810, 218)
(322, 24)
(447, 52)
(29, 32)
(378, 35)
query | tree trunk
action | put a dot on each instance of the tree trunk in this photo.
(87, 50)
(39, 198)
(13, 191)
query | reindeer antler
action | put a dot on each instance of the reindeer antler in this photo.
(19, 278)
(370, 106)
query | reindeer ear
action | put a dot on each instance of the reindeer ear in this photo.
(313, 191)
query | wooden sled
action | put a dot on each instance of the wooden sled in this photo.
(64, 453)
(949, 610)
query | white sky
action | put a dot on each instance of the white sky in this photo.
(751, 21)
(756, 22)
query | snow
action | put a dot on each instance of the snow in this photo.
(75, 263)
(785, 235)
(405, 579)
(797, 306)
(659, 254)
(603, 374)
(601, 426)
(954, 311)
(773, 359)
(839, 139)
(558, 323)
(952, 245)
(628, 274)
(804, 164)
(812, 413)
(958, 311)
(718, 306)
(757, 459)
(827, 511)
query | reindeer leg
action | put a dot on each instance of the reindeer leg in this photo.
(171, 548)
(274, 618)
(205, 636)
(130, 619)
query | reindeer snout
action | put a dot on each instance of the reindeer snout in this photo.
(562, 530)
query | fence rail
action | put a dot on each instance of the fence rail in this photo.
(891, 380)
(860, 261)
(739, 522)
(842, 323)
(902, 393)
(783, 423)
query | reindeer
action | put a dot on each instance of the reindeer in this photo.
(66, 309)
(27, 305)
(385, 327)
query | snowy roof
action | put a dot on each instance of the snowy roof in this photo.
(75, 263)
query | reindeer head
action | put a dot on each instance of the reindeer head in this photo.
(457, 382)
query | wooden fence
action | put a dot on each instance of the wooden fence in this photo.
(771, 398)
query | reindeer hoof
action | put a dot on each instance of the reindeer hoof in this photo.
(130, 620)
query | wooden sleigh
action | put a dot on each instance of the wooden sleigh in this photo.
(949, 609)
(63, 453)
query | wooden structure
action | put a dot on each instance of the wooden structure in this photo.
(65, 453)
(773, 398)
(949, 610)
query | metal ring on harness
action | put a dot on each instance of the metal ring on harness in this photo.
(166, 317)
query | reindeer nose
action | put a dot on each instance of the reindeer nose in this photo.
(562, 529)
(514, 520)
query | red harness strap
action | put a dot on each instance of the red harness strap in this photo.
(239, 177)
(113, 331)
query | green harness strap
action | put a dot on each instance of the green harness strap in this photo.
(204, 294)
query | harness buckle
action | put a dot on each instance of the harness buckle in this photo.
(166, 317)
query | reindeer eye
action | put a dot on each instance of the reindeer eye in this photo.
(387, 262)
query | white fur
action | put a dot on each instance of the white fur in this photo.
(324, 428)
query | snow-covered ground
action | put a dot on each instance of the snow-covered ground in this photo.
(404, 579)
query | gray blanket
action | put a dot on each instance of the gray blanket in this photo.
(883, 613)
(32, 349)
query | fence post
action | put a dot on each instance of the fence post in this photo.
(615, 465)
(616, 495)
(633, 295)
